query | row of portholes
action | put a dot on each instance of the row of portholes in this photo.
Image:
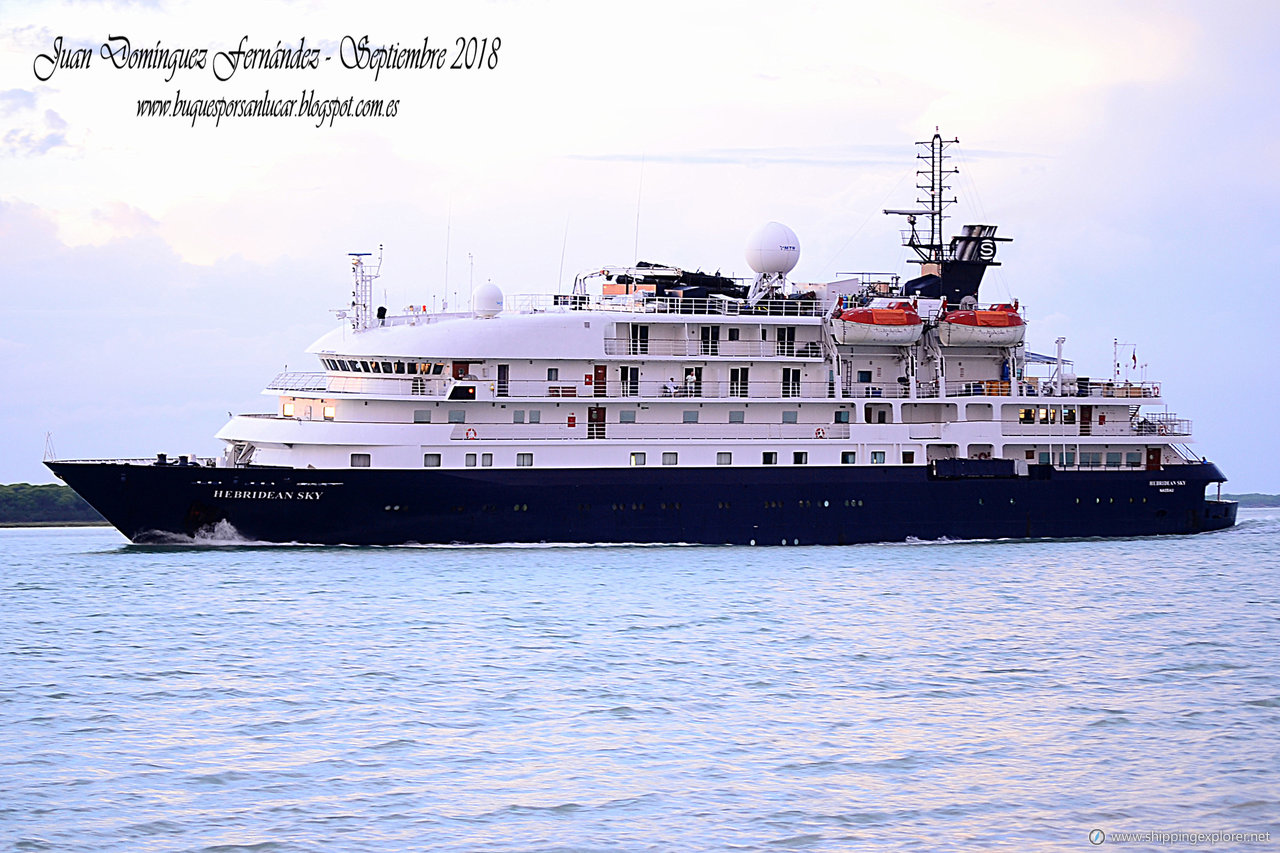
(1110, 500)
(802, 504)
(784, 542)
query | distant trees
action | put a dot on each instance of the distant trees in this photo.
(22, 503)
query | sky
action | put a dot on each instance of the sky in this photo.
(161, 272)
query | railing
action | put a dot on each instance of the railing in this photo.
(698, 348)
(531, 303)
(480, 432)
(1161, 423)
(294, 381)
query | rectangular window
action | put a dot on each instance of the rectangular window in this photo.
(739, 381)
(386, 367)
(457, 416)
(1113, 459)
(800, 457)
(486, 460)
(470, 460)
(908, 457)
(1090, 460)
(1133, 460)
(1026, 416)
(791, 382)
(768, 458)
(517, 416)
(330, 412)
(670, 458)
(849, 457)
(288, 410)
(626, 417)
(637, 459)
(877, 457)
(422, 416)
(691, 416)
(1044, 457)
(524, 460)
(553, 374)
(790, 417)
(864, 376)
(842, 416)
(1069, 415)
(431, 460)
(535, 416)
(737, 417)
(360, 460)
(724, 458)
(734, 334)
(786, 340)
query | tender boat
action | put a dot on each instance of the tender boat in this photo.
(896, 324)
(997, 326)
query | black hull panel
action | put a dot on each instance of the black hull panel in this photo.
(765, 506)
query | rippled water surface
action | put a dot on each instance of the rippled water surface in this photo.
(1007, 695)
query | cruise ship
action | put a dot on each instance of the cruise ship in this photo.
(653, 404)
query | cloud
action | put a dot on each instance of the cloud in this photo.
(14, 100)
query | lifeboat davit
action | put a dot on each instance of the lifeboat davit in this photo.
(997, 326)
(897, 324)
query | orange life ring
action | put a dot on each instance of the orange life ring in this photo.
(471, 434)
(819, 433)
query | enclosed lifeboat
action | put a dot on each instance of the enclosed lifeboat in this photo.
(897, 324)
(997, 326)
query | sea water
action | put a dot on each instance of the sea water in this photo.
(915, 696)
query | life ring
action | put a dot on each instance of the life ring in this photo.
(471, 434)
(819, 433)
(1162, 429)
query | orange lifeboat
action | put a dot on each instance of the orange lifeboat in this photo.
(997, 326)
(897, 324)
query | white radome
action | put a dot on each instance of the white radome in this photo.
(774, 248)
(487, 301)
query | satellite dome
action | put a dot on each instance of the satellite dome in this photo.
(487, 301)
(773, 249)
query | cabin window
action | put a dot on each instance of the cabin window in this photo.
(791, 382)
(360, 460)
(1069, 415)
(800, 457)
(842, 416)
(376, 367)
(457, 416)
(877, 457)
(670, 458)
(786, 340)
(517, 416)
(627, 417)
(524, 460)
(437, 368)
(1133, 460)
(637, 459)
(724, 458)
(330, 412)
(399, 367)
(535, 416)
(364, 366)
(790, 417)
(469, 460)
(739, 381)
(1090, 460)
(849, 457)
(486, 460)
(422, 416)
(288, 410)
(734, 334)
(864, 376)
(691, 416)
(769, 458)
(386, 367)
(737, 417)
(431, 460)
(553, 374)
(1113, 459)
(908, 457)
(1044, 457)
(1026, 416)
(1067, 460)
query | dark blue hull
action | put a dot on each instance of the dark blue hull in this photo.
(764, 506)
